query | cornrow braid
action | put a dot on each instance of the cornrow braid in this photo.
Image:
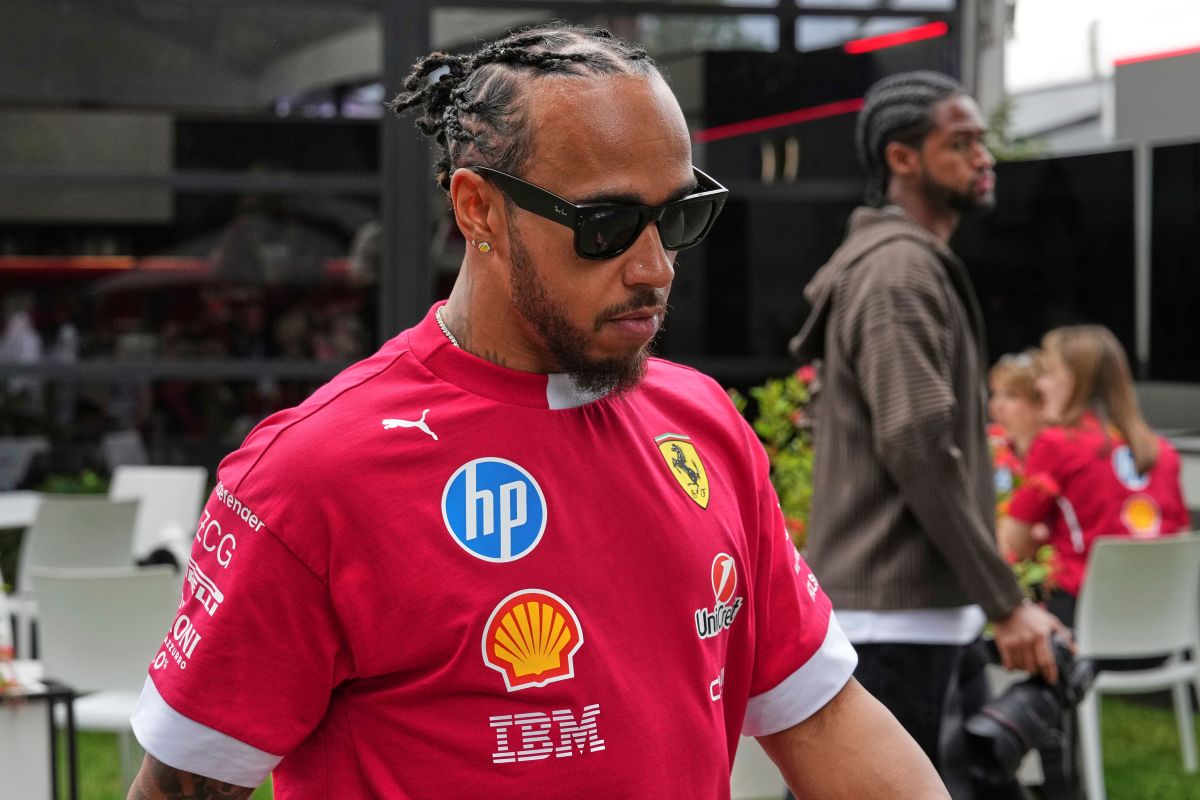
(470, 103)
(898, 108)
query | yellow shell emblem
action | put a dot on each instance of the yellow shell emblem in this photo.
(685, 464)
(1142, 516)
(531, 639)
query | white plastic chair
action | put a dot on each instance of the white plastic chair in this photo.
(99, 630)
(70, 531)
(123, 447)
(171, 498)
(1141, 598)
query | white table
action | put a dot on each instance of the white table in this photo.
(18, 509)
(27, 744)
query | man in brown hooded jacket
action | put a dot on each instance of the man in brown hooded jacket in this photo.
(902, 524)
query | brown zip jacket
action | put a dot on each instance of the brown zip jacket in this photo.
(903, 511)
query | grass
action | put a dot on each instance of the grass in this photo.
(99, 769)
(1142, 760)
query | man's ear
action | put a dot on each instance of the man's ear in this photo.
(478, 207)
(902, 160)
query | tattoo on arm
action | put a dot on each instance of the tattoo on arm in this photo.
(157, 781)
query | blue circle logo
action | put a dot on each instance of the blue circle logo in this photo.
(494, 509)
(1126, 469)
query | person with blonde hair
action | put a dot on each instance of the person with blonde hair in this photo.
(1015, 408)
(1098, 470)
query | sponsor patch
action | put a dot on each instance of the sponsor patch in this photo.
(710, 622)
(536, 735)
(214, 539)
(494, 509)
(243, 511)
(206, 592)
(685, 464)
(180, 643)
(531, 639)
(1125, 468)
(1142, 516)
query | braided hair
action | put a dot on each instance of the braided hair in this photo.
(898, 108)
(472, 107)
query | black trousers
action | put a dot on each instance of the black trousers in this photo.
(932, 690)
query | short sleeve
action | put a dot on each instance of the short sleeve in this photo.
(1034, 499)
(247, 668)
(802, 658)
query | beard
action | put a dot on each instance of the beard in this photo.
(967, 202)
(567, 343)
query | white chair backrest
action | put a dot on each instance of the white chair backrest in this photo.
(16, 456)
(171, 498)
(1140, 597)
(123, 447)
(77, 531)
(99, 628)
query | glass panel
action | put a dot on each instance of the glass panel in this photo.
(1174, 279)
(839, 3)
(250, 276)
(661, 35)
(889, 5)
(264, 144)
(815, 33)
(181, 54)
(923, 5)
(664, 36)
(1057, 249)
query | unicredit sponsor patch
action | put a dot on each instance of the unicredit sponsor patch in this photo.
(711, 621)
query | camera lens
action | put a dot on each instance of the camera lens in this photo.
(1005, 729)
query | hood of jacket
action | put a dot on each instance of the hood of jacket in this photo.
(868, 229)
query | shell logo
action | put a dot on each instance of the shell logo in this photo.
(531, 639)
(724, 578)
(1142, 516)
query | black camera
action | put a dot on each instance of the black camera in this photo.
(1029, 714)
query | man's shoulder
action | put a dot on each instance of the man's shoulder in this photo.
(340, 416)
(902, 261)
(675, 379)
(685, 393)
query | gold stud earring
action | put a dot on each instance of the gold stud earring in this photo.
(484, 247)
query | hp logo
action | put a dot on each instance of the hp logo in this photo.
(494, 509)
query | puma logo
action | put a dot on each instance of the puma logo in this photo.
(419, 424)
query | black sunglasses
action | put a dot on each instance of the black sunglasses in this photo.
(605, 230)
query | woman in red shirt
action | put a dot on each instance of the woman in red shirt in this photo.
(1098, 470)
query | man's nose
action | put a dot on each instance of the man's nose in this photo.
(648, 262)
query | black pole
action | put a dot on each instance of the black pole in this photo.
(405, 275)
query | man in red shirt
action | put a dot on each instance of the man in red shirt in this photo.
(510, 553)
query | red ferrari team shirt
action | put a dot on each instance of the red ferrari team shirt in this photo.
(438, 578)
(1084, 483)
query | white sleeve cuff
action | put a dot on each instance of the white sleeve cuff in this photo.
(185, 744)
(805, 691)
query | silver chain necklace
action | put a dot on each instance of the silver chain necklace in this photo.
(442, 324)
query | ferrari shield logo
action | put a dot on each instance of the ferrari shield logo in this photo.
(685, 464)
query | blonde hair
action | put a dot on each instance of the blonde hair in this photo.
(1020, 372)
(1103, 385)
